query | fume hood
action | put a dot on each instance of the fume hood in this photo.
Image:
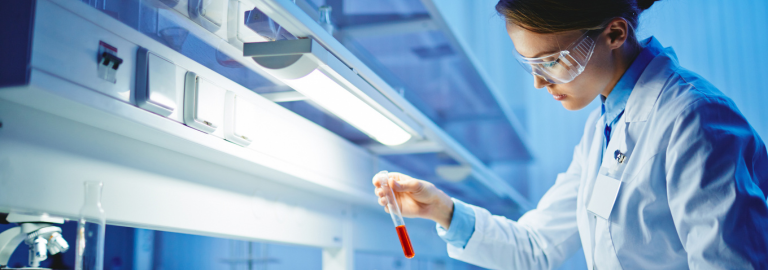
(164, 101)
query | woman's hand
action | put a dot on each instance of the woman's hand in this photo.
(417, 198)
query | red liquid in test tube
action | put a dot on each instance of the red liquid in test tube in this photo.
(405, 241)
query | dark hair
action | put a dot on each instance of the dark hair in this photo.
(553, 16)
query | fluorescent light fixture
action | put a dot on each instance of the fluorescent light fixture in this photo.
(313, 71)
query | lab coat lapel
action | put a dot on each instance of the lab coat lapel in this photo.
(649, 86)
(592, 167)
(595, 156)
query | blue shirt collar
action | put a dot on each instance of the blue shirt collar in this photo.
(616, 101)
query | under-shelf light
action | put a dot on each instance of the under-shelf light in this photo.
(312, 70)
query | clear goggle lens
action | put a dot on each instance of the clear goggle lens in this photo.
(564, 66)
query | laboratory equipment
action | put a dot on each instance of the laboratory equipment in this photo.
(90, 230)
(39, 232)
(325, 19)
(397, 216)
(108, 62)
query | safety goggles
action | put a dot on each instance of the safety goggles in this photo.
(563, 66)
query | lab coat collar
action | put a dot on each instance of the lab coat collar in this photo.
(616, 102)
(649, 85)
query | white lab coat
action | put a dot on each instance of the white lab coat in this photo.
(692, 192)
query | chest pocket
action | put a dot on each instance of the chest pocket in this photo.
(623, 144)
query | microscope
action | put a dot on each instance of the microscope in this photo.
(38, 231)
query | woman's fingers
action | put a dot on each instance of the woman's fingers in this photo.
(380, 192)
(403, 183)
(375, 181)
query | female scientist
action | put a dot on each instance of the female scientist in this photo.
(668, 173)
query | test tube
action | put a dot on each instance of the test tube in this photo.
(397, 216)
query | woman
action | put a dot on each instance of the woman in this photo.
(668, 173)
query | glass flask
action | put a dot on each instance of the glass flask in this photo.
(325, 18)
(90, 230)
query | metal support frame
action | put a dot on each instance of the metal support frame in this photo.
(342, 258)
(398, 27)
(285, 96)
(309, 7)
(439, 20)
(408, 148)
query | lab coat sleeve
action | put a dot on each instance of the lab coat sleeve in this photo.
(543, 238)
(714, 165)
(462, 225)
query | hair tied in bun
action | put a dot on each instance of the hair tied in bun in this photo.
(645, 4)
